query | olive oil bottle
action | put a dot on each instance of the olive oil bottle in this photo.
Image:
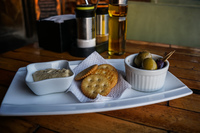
(117, 27)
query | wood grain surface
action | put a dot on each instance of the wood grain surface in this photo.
(179, 115)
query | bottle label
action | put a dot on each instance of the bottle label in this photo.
(86, 28)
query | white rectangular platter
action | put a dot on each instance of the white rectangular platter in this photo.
(21, 101)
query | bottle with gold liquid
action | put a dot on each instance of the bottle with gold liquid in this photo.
(102, 23)
(117, 10)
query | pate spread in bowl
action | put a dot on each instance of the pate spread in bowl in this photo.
(49, 77)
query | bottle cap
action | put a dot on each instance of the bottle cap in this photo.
(102, 9)
(85, 10)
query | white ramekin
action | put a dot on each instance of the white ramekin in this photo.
(48, 86)
(145, 80)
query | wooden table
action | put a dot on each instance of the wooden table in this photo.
(179, 115)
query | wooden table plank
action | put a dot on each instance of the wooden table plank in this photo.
(162, 117)
(44, 130)
(191, 83)
(191, 50)
(7, 77)
(11, 64)
(45, 53)
(190, 102)
(3, 91)
(91, 122)
(193, 66)
(185, 73)
(16, 125)
(28, 57)
(186, 57)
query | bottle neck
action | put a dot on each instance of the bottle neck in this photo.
(118, 2)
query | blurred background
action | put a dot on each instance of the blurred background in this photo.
(174, 22)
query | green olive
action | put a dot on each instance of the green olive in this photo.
(149, 64)
(140, 57)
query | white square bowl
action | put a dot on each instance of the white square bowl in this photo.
(52, 85)
(145, 80)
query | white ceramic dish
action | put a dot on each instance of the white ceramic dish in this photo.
(145, 80)
(48, 86)
(20, 101)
